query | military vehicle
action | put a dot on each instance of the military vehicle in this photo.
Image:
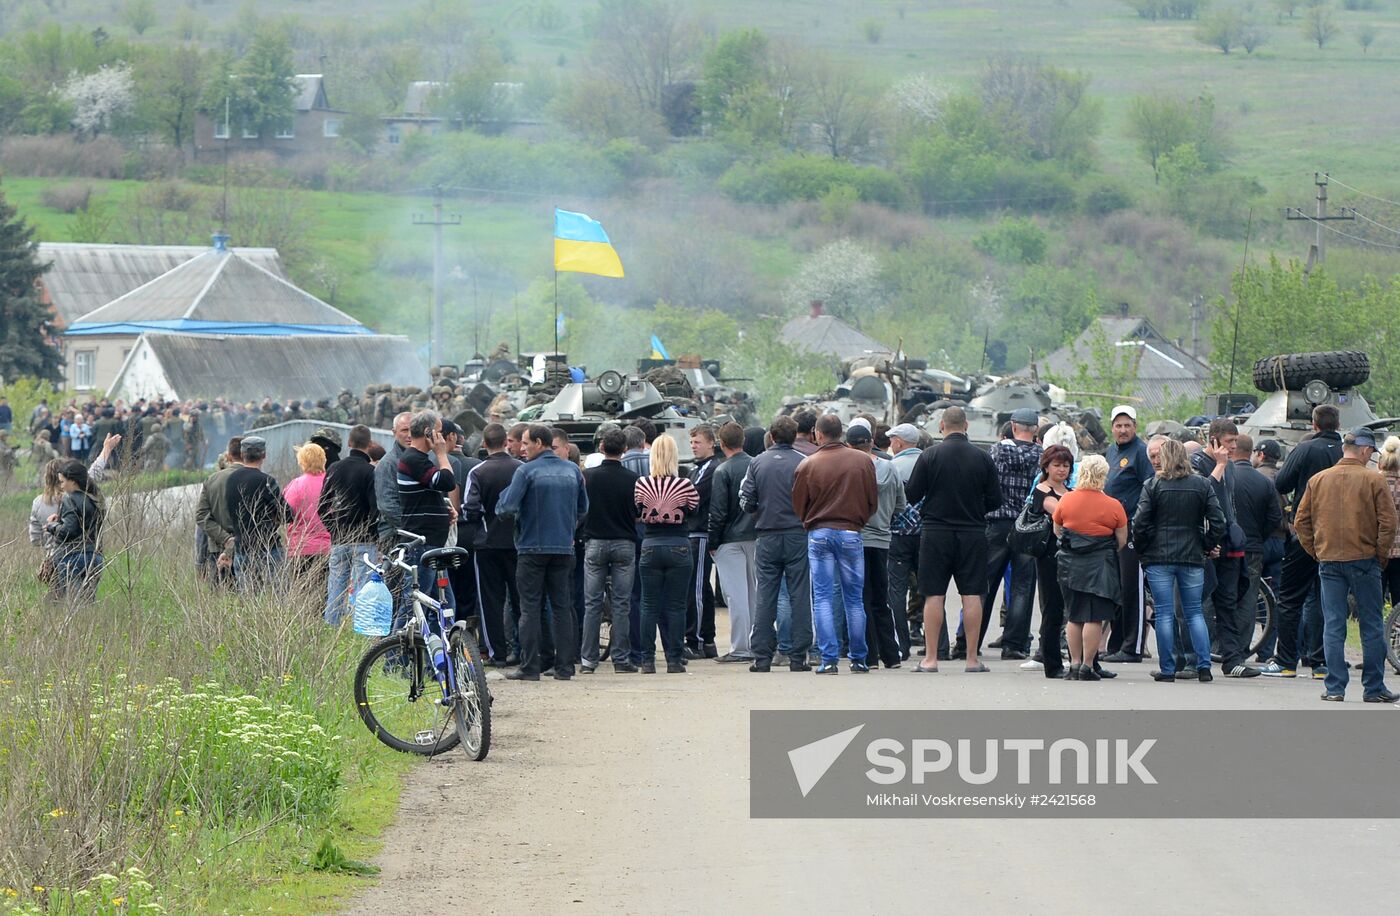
(890, 390)
(581, 407)
(1296, 383)
(697, 387)
(996, 399)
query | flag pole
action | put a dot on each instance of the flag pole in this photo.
(556, 315)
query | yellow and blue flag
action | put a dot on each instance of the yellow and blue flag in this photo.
(657, 350)
(581, 246)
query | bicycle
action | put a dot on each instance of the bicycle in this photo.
(392, 689)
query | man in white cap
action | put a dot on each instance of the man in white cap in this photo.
(1128, 469)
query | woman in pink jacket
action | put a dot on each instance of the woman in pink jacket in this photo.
(308, 541)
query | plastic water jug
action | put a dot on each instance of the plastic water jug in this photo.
(373, 607)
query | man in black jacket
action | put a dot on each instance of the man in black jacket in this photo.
(610, 530)
(259, 513)
(958, 483)
(700, 603)
(1300, 597)
(731, 542)
(1231, 624)
(494, 541)
(1258, 513)
(348, 510)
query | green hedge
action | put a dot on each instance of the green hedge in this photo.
(810, 178)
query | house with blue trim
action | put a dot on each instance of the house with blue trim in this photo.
(222, 299)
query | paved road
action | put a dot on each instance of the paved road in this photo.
(629, 794)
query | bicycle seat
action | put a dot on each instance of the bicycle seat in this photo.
(444, 557)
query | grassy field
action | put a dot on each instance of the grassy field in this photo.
(208, 741)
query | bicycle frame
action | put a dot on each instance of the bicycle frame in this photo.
(426, 624)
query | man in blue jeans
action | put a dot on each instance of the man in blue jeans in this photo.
(780, 550)
(1346, 522)
(834, 494)
(546, 497)
(348, 510)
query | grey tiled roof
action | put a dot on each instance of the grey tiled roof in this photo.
(830, 336)
(85, 277)
(219, 286)
(249, 368)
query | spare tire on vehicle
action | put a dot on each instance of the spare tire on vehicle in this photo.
(1336, 368)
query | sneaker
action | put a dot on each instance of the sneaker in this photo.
(1333, 697)
(710, 650)
(1122, 657)
(798, 666)
(1163, 677)
(1385, 696)
(624, 668)
(760, 666)
(1185, 674)
(729, 658)
(863, 668)
(689, 653)
(829, 668)
(1033, 665)
(1205, 676)
(675, 668)
(1274, 669)
(587, 669)
(1012, 655)
(1242, 671)
(1319, 673)
(519, 675)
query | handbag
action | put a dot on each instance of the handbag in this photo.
(1032, 534)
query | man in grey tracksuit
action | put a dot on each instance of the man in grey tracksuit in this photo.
(780, 550)
(881, 636)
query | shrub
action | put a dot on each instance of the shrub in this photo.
(62, 156)
(1013, 241)
(67, 198)
(810, 178)
(1106, 196)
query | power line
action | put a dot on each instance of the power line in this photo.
(1346, 235)
(1364, 194)
(1368, 219)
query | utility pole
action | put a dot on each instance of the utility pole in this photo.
(1318, 253)
(437, 222)
(1196, 315)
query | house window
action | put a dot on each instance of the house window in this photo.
(286, 132)
(84, 369)
(221, 130)
(331, 127)
(250, 133)
(394, 135)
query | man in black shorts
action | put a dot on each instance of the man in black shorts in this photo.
(958, 484)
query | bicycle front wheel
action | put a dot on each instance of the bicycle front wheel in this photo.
(1265, 609)
(399, 699)
(472, 704)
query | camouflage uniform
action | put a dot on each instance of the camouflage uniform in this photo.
(154, 449)
(265, 418)
(8, 459)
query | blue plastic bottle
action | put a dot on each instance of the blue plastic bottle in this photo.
(373, 607)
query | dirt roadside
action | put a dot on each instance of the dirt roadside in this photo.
(630, 793)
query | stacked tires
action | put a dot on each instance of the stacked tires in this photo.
(1335, 368)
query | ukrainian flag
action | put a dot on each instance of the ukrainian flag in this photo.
(581, 246)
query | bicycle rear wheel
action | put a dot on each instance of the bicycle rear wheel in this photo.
(399, 699)
(1392, 637)
(1264, 618)
(472, 704)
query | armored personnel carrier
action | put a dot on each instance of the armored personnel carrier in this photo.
(581, 407)
(1296, 383)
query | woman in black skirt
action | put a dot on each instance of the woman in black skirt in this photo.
(1092, 528)
(1056, 463)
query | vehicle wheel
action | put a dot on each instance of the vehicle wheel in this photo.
(1392, 638)
(1264, 618)
(472, 705)
(1337, 368)
(399, 699)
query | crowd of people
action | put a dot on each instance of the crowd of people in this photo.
(826, 541)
